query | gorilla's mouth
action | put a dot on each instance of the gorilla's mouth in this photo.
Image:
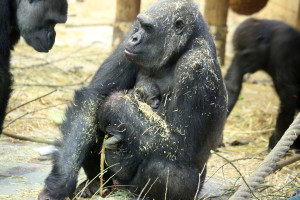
(40, 47)
(43, 42)
(130, 52)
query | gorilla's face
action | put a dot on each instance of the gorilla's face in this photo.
(159, 34)
(37, 19)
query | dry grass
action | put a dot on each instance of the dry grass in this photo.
(69, 66)
(254, 118)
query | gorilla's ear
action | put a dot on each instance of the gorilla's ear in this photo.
(179, 26)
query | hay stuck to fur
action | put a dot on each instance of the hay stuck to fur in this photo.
(154, 118)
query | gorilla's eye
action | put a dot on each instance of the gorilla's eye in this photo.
(179, 24)
(135, 28)
(147, 27)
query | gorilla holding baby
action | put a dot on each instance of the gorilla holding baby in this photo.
(34, 20)
(162, 152)
(273, 47)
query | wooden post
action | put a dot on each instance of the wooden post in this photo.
(298, 18)
(126, 13)
(215, 13)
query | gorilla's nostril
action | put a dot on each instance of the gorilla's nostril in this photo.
(136, 39)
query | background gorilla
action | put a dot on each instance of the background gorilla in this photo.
(164, 151)
(274, 47)
(34, 20)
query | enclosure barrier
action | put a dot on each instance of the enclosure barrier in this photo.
(269, 164)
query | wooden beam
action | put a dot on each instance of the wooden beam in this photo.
(215, 13)
(298, 18)
(126, 12)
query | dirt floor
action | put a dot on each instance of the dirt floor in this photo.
(81, 46)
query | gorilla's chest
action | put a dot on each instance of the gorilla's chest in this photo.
(164, 81)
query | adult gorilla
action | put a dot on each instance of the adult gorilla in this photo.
(34, 20)
(273, 47)
(164, 151)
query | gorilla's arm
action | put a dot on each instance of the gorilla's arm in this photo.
(80, 128)
(199, 99)
(233, 81)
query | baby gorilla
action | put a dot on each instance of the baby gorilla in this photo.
(145, 91)
(273, 47)
(148, 92)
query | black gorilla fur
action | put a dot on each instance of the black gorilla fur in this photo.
(167, 149)
(273, 47)
(34, 20)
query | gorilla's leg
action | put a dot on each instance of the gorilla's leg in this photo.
(284, 119)
(121, 155)
(233, 81)
(168, 180)
(5, 90)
